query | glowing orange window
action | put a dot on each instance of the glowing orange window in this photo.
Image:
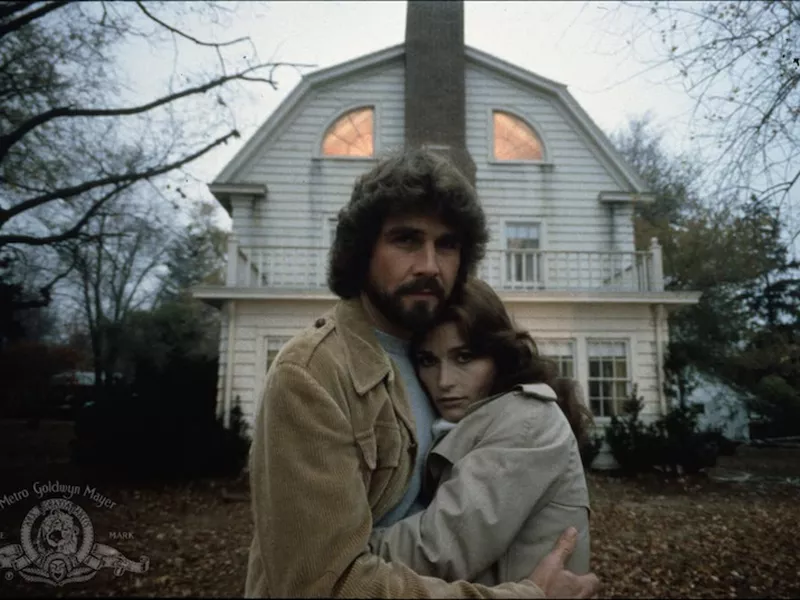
(351, 134)
(514, 139)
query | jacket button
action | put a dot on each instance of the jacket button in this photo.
(319, 322)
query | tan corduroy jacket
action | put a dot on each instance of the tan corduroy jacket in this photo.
(333, 449)
(509, 481)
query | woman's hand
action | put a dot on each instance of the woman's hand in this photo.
(555, 581)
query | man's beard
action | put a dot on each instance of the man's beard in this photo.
(420, 316)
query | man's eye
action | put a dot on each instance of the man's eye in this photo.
(449, 244)
(405, 240)
(464, 356)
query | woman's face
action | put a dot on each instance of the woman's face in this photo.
(453, 377)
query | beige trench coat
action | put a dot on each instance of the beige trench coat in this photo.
(510, 481)
(333, 448)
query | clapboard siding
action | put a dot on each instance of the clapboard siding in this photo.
(304, 190)
(301, 187)
(223, 361)
(584, 322)
(258, 320)
(564, 195)
(255, 321)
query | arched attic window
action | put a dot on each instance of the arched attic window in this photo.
(352, 134)
(514, 139)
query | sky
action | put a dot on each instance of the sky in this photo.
(579, 44)
(582, 44)
(590, 46)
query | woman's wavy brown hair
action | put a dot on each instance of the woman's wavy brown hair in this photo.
(488, 330)
(411, 182)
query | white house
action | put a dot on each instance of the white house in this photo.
(558, 198)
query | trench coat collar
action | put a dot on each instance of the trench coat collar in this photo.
(540, 391)
(453, 446)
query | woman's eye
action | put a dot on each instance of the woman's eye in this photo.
(425, 360)
(464, 357)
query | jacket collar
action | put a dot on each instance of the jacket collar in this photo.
(454, 446)
(366, 360)
(540, 391)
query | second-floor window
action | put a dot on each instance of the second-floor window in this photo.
(513, 139)
(523, 260)
(352, 134)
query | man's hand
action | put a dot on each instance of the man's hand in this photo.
(555, 581)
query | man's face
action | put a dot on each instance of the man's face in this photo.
(412, 271)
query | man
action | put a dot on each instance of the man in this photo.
(342, 430)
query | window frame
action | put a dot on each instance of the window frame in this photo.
(540, 223)
(376, 119)
(573, 343)
(537, 130)
(629, 365)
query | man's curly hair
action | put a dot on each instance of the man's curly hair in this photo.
(412, 182)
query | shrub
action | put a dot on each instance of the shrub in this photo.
(590, 449)
(726, 446)
(126, 438)
(635, 446)
(26, 371)
(163, 425)
(672, 444)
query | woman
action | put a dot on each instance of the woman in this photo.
(508, 477)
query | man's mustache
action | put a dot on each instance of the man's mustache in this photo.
(428, 285)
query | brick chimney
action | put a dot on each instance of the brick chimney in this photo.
(435, 99)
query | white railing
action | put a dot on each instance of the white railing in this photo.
(304, 268)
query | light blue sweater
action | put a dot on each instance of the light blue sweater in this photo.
(424, 416)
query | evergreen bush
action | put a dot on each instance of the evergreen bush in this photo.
(671, 444)
(590, 449)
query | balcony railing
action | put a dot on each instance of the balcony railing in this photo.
(303, 268)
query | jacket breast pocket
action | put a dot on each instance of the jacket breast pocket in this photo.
(380, 446)
(380, 449)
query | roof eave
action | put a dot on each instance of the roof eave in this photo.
(309, 81)
(224, 191)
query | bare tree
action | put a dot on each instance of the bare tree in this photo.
(74, 136)
(740, 62)
(115, 274)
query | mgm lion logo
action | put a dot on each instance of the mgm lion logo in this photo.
(57, 547)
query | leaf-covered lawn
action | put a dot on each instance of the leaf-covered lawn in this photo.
(694, 537)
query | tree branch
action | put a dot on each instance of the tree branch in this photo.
(23, 20)
(68, 234)
(9, 8)
(178, 32)
(8, 140)
(128, 178)
(186, 35)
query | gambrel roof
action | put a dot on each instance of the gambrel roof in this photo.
(591, 132)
